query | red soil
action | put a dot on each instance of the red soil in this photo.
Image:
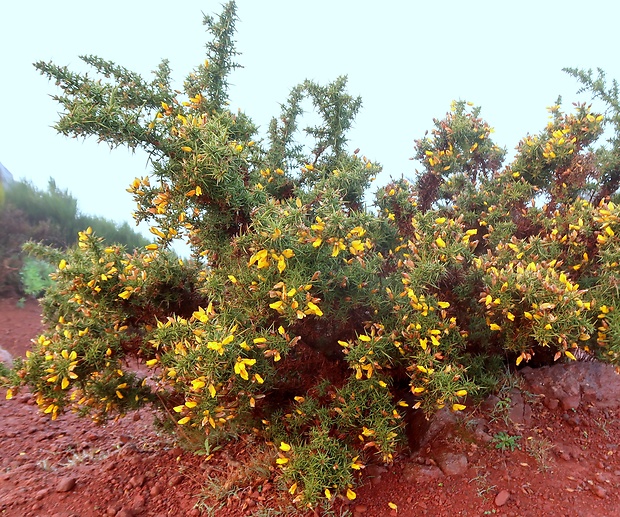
(568, 464)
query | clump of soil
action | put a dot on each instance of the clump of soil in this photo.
(528, 451)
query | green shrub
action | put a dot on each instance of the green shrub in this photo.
(303, 316)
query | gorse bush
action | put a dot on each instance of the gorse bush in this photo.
(303, 316)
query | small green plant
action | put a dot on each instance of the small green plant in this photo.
(35, 276)
(500, 410)
(503, 441)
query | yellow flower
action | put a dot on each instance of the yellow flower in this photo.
(198, 383)
(440, 242)
(125, 295)
(313, 309)
(184, 420)
(351, 495)
(285, 447)
(62, 264)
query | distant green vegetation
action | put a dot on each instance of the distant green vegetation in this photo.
(51, 217)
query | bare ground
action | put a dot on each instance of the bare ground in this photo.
(557, 462)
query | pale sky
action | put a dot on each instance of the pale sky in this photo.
(406, 59)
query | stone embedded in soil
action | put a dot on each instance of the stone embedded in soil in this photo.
(452, 464)
(570, 402)
(40, 494)
(137, 481)
(412, 473)
(502, 498)
(599, 491)
(175, 480)
(66, 484)
(520, 412)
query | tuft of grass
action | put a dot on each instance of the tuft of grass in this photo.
(539, 449)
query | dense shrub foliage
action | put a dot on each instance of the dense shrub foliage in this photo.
(304, 316)
(50, 217)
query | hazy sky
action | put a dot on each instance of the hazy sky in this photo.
(406, 59)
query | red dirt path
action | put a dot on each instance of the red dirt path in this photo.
(568, 465)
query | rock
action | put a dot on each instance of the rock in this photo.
(138, 505)
(502, 498)
(137, 481)
(551, 403)
(6, 358)
(66, 484)
(599, 491)
(591, 382)
(360, 508)
(23, 399)
(489, 404)
(520, 412)
(570, 402)
(175, 480)
(482, 436)
(40, 494)
(413, 473)
(420, 431)
(452, 464)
